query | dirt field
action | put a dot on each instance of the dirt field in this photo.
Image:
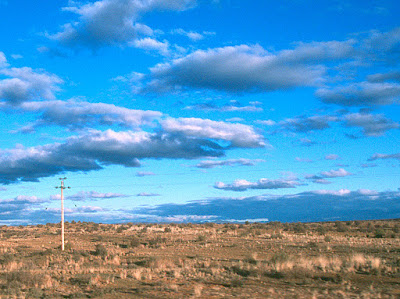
(355, 259)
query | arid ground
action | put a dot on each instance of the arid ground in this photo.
(354, 259)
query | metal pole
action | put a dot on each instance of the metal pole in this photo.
(62, 215)
(62, 187)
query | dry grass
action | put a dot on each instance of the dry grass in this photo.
(314, 260)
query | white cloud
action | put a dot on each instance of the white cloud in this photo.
(230, 162)
(238, 134)
(15, 56)
(3, 60)
(79, 114)
(111, 22)
(267, 122)
(383, 46)
(331, 205)
(143, 29)
(233, 106)
(145, 194)
(243, 185)
(94, 195)
(335, 173)
(306, 142)
(151, 44)
(372, 124)
(322, 181)
(390, 76)
(144, 173)
(236, 69)
(361, 94)
(95, 149)
(322, 176)
(193, 36)
(306, 124)
(25, 84)
(341, 192)
(367, 192)
(84, 210)
(332, 157)
(384, 156)
(307, 160)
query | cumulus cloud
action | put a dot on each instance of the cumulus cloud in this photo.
(95, 149)
(144, 173)
(111, 22)
(145, 194)
(306, 160)
(84, 210)
(233, 106)
(384, 156)
(193, 36)
(335, 173)
(390, 76)
(207, 164)
(151, 44)
(268, 122)
(243, 185)
(322, 176)
(332, 157)
(307, 123)
(3, 60)
(383, 46)
(94, 195)
(321, 181)
(361, 94)
(305, 142)
(19, 204)
(372, 124)
(312, 206)
(340, 192)
(16, 56)
(25, 84)
(238, 134)
(80, 114)
(236, 69)
(30, 164)
(318, 205)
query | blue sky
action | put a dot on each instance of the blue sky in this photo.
(213, 110)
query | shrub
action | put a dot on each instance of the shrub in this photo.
(68, 246)
(321, 230)
(379, 233)
(134, 242)
(299, 228)
(21, 278)
(341, 227)
(279, 257)
(243, 272)
(120, 229)
(101, 250)
(156, 241)
(201, 238)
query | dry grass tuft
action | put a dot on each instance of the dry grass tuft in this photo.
(271, 260)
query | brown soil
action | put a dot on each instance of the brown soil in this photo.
(356, 259)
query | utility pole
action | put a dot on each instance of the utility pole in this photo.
(62, 187)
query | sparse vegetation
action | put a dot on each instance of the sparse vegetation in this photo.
(353, 259)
